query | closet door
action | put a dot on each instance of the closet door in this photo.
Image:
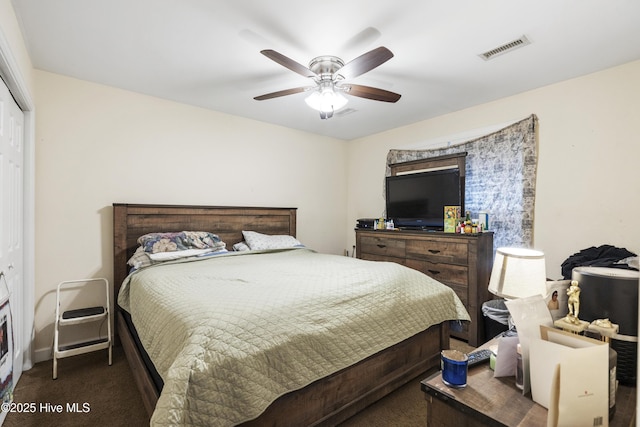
(11, 230)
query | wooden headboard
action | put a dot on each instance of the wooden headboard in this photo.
(131, 221)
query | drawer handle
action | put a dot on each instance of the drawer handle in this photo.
(434, 251)
(433, 271)
(382, 246)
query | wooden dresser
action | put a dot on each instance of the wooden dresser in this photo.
(461, 261)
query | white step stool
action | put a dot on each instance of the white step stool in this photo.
(78, 316)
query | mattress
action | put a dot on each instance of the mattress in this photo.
(230, 334)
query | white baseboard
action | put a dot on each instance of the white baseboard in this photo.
(43, 354)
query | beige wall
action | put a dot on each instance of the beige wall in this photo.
(98, 145)
(588, 192)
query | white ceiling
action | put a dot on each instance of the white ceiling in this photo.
(206, 52)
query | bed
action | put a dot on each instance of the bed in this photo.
(326, 400)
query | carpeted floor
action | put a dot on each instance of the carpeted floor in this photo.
(89, 392)
(106, 395)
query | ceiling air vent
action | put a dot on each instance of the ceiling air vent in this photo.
(508, 47)
(344, 112)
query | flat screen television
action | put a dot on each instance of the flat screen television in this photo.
(417, 200)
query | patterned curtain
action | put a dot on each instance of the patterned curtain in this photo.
(500, 179)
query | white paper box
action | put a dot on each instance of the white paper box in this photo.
(570, 377)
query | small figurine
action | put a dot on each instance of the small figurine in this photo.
(605, 327)
(603, 323)
(573, 302)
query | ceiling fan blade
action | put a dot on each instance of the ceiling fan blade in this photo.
(282, 93)
(365, 62)
(288, 63)
(371, 93)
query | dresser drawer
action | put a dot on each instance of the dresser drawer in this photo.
(384, 246)
(438, 250)
(448, 274)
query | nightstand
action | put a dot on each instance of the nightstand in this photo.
(489, 401)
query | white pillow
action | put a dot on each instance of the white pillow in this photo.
(166, 256)
(259, 241)
(142, 259)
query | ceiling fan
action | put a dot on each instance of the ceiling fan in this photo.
(329, 73)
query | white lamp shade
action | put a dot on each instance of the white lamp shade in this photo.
(326, 100)
(518, 273)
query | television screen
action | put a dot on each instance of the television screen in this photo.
(418, 199)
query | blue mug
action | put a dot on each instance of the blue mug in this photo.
(454, 366)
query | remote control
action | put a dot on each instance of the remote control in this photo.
(478, 356)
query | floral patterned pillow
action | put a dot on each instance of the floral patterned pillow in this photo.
(140, 259)
(259, 241)
(179, 241)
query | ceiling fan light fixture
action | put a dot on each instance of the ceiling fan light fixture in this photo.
(326, 99)
(327, 73)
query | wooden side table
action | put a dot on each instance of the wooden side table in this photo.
(489, 401)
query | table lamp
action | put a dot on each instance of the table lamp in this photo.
(518, 273)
